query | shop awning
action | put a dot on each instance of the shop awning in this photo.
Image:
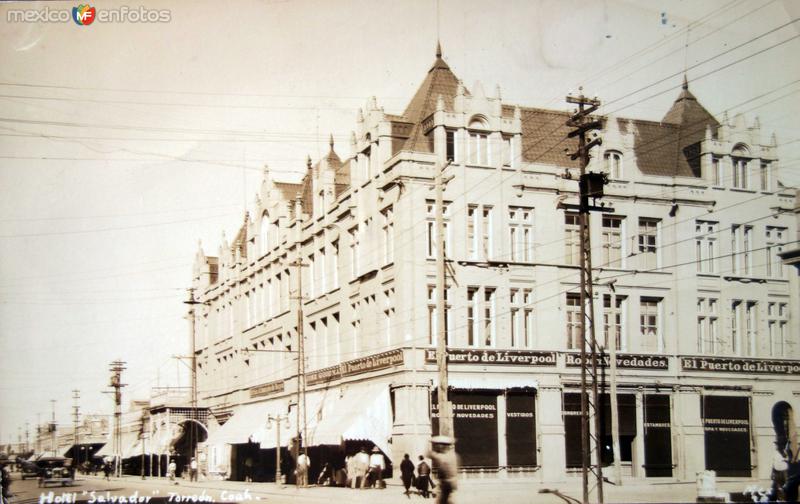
(360, 412)
(248, 424)
(129, 439)
(486, 381)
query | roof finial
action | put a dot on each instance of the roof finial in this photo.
(438, 49)
(330, 142)
(685, 83)
(308, 162)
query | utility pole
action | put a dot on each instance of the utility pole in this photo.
(116, 368)
(277, 419)
(53, 427)
(445, 408)
(76, 394)
(302, 431)
(590, 185)
(193, 431)
(27, 436)
(38, 433)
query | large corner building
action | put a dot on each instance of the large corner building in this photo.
(689, 282)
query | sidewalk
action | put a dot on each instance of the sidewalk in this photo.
(470, 491)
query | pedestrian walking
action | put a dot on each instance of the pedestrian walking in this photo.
(107, 470)
(443, 455)
(5, 481)
(303, 463)
(193, 470)
(376, 466)
(172, 468)
(407, 474)
(423, 477)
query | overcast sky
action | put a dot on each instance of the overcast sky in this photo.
(123, 144)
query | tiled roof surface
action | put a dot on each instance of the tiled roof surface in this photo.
(544, 137)
(439, 81)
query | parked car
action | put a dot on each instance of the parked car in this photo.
(28, 468)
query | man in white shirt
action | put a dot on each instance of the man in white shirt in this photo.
(193, 470)
(303, 463)
(376, 467)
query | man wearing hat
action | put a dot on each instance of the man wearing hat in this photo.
(376, 467)
(443, 455)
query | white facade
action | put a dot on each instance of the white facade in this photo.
(686, 265)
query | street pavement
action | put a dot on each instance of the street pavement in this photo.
(472, 491)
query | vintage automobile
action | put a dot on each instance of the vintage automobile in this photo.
(55, 470)
(28, 468)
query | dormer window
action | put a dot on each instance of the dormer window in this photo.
(613, 164)
(478, 142)
(263, 235)
(739, 167)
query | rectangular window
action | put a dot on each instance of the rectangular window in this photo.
(487, 244)
(648, 242)
(472, 225)
(479, 149)
(765, 177)
(335, 264)
(433, 315)
(520, 233)
(515, 301)
(614, 321)
(430, 233)
(322, 274)
(741, 247)
(736, 318)
(777, 322)
(508, 150)
(716, 173)
(706, 246)
(572, 242)
(739, 173)
(612, 241)
(521, 318)
(751, 328)
(649, 324)
(451, 145)
(489, 322)
(707, 326)
(388, 235)
(573, 321)
(774, 246)
(472, 316)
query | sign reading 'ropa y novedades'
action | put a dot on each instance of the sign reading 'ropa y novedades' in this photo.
(356, 366)
(749, 366)
(500, 357)
(624, 361)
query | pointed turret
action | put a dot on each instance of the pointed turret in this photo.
(687, 111)
(439, 81)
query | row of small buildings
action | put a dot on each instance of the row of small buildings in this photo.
(691, 280)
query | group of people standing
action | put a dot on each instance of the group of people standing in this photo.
(443, 455)
(365, 470)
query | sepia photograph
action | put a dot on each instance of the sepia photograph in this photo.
(370, 251)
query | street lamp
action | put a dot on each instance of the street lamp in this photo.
(277, 419)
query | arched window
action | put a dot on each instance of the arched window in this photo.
(740, 175)
(478, 151)
(613, 164)
(263, 235)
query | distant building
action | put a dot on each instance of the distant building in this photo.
(689, 282)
